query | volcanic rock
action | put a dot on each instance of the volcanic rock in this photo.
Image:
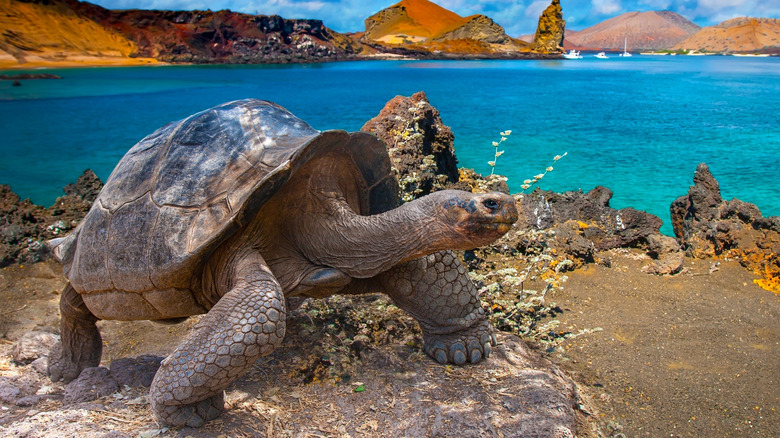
(580, 225)
(549, 32)
(709, 226)
(24, 226)
(419, 143)
(427, 29)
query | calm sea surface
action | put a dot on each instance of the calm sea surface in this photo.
(638, 125)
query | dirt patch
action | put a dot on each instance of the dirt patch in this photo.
(348, 367)
(693, 354)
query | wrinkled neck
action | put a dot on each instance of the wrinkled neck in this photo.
(364, 246)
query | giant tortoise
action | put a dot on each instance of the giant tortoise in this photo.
(237, 210)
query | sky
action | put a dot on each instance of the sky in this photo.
(518, 17)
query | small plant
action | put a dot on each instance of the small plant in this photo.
(498, 153)
(527, 184)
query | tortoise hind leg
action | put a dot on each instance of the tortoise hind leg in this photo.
(80, 343)
(437, 291)
(246, 323)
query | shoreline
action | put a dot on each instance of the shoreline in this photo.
(88, 62)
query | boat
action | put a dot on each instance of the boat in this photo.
(601, 55)
(573, 54)
(758, 55)
(625, 45)
(654, 53)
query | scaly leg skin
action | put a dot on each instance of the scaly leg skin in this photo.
(437, 291)
(80, 343)
(246, 323)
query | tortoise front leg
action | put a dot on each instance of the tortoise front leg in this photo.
(246, 323)
(437, 291)
(80, 344)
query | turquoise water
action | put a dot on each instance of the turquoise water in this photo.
(638, 126)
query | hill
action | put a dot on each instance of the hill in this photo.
(743, 34)
(425, 26)
(70, 32)
(641, 30)
(38, 33)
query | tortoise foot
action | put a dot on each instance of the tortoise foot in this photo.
(191, 415)
(66, 362)
(468, 345)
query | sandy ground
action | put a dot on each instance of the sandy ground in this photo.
(31, 62)
(691, 355)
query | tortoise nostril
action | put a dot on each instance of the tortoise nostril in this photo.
(490, 204)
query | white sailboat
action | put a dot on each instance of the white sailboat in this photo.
(625, 45)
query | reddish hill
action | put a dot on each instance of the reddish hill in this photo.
(39, 33)
(415, 20)
(426, 26)
(642, 30)
(736, 35)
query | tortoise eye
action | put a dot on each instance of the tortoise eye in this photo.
(490, 204)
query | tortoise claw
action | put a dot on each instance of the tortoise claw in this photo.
(470, 345)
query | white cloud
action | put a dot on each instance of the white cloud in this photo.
(535, 9)
(606, 7)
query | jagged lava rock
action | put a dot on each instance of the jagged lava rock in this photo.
(709, 226)
(583, 224)
(549, 32)
(420, 145)
(24, 226)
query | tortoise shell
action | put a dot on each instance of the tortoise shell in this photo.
(186, 188)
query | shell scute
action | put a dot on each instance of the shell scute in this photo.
(128, 245)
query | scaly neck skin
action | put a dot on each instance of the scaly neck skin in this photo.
(364, 246)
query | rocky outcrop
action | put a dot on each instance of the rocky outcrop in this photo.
(77, 29)
(26, 226)
(479, 28)
(419, 143)
(224, 36)
(549, 32)
(432, 31)
(580, 225)
(709, 226)
(740, 35)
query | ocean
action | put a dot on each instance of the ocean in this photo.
(637, 125)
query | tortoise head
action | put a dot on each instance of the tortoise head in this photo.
(479, 218)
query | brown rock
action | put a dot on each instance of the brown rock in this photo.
(549, 32)
(91, 384)
(25, 227)
(708, 226)
(420, 145)
(32, 346)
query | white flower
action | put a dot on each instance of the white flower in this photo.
(495, 144)
(492, 163)
(499, 153)
(549, 169)
(525, 186)
(540, 176)
(528, 181)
